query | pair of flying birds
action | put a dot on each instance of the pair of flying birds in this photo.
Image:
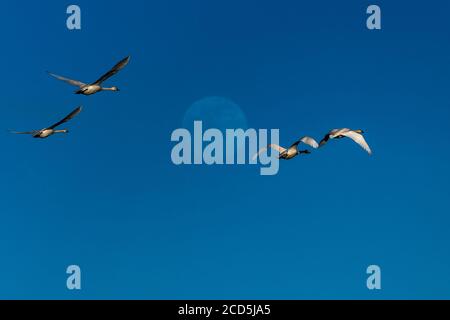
(293, 150)
(85, 89)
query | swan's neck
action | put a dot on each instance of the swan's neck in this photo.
(61, 131)
(108, 89)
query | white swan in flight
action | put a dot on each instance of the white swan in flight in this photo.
(91, 88)
(355, 135)
(292, 151)
(46, 132)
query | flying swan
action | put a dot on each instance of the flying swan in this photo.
(88, 89)
(355, 135)
(46, 132)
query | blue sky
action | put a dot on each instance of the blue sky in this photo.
(108, 198)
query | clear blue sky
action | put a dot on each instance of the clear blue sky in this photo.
(108, 198)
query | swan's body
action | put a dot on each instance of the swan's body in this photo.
(47, 132)
(355, 135)
(91, 88)
(292, 151)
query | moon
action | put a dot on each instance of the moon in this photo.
(215, 112)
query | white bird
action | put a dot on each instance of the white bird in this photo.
(46, 132)
(91, 88)
(355, 135)
(292, 151)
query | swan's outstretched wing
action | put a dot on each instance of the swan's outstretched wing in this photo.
(331, 135)
(310, 142)
(119, 66)
(264, 149)
(67, 118)
(359, 139)
(24, 132)
(75, 83)
(324, 140)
